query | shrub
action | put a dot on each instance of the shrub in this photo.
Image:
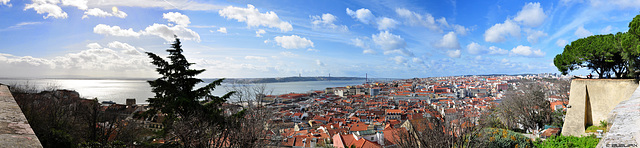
(495, 137)
(568, 141)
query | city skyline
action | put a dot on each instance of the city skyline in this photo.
(405, 39)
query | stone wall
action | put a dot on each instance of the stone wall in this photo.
(592, 100)
(624, 124)
(14, 128)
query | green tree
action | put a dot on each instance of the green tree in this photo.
(176, 96)
(634, 26)
(604, 54)
(630, 44)
(598, 53)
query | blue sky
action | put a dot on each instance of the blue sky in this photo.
(386, 39)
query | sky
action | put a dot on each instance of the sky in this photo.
(254, 39)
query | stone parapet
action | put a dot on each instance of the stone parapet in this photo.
(14, 128)
(624, 124)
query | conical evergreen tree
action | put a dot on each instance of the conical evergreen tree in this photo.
(174, 90)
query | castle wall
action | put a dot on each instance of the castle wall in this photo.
(591, 100)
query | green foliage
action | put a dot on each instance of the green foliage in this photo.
(603, 123)
(194, 116)
(594, 128)
(598, 53)
(63, 119)
(634, 26)
(557, 118)
(174, 91)
(631, 53)
(568, 142)
(495, 137)
(57, 138)
(491, 120)
(604, 54)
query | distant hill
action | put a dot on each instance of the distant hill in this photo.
(290, 79)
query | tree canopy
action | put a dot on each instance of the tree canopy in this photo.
(174, 90)
(608, 54)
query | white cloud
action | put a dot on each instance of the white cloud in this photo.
(534, 35)
(453, 53)
(531, 15)
(168, 32)
(606, 30)
(461, 30)
(498, 32)
(504, 60)
(127, 49)
(449, 40)
(93, 46)
(363, 15)
(478, 58)
(443, 22)
(627, 3)
(621, 4)
(80, 4)
(527, 51)
(386, 23)
(115, 31)
(562, 43)
(100, 13)
(96, 61)
(254, 18)
(45, 6)
(417, 60)
(96, 12)
(581, 32)
(475, 48)
(390, 43)
(327, 20)
(5, 2)
(260, 32)
(360, 43)
(222, 30)
(19, 25)
(161, 30)
(288, 54)
(259, 58)
(399, 60)
(176, 17)
(293, 42)
(496, 50)
(369, 51)
(164, 4)
(320, 63)
(311, 49)
(415, 19)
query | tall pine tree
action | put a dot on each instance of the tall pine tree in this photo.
(174, 91)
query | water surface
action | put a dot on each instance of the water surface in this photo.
(119, 90)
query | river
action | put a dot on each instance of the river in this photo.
(118, 90)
